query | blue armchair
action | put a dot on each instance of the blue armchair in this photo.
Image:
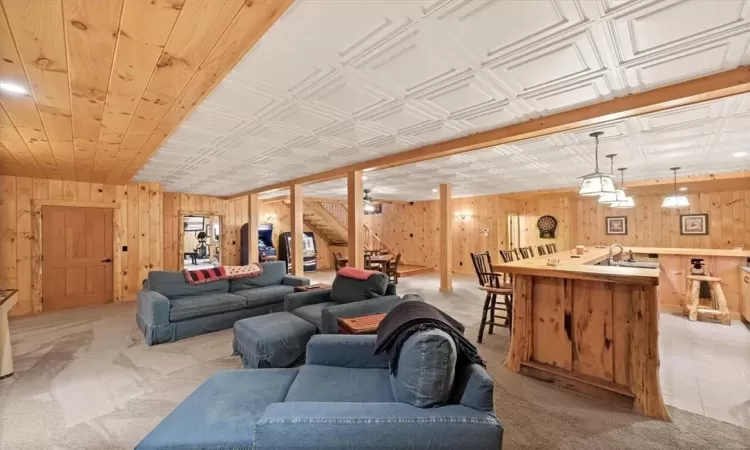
(347, 297)
(341, 399)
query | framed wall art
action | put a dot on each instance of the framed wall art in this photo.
(694, 224)
(617, 225)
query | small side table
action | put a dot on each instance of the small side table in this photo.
(8, 299)
(360, 325)
(718, 309)
(311, 287)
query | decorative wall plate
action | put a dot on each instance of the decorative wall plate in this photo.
(547, 226)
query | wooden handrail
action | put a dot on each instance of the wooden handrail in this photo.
(340, 212)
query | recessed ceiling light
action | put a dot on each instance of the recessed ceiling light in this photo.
(683, 189)
(434, 190)
(12, 87)
(740, 154)
(364, 177)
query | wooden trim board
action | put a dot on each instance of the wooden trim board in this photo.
(74, 204)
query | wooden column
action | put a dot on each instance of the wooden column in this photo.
(355, 223)
(446, 226)
(297, 230)
(253, 210)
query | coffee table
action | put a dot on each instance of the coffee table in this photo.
(311, 287)
(360, 325)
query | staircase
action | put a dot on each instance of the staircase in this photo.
(329, 220)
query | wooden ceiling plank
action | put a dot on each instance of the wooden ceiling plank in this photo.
(15, 145)
(21, 108)
(91, 29)
(144, 30)
(250, 24)
(724, 84)
(9, 165)
(198, 28)
(37, 28)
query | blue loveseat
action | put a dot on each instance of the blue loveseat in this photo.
(169, 308)
(343, 398)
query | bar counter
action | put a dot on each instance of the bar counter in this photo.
(592, 329)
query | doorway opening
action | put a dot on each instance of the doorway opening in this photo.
(201, 242)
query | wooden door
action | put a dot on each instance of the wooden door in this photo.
(77, 257)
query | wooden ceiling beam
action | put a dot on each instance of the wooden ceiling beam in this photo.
(724, 84)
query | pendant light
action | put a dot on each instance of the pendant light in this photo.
(628, 202)
(675, 201)
(619, 194)
(596, 183)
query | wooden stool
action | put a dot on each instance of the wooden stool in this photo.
(718, 309)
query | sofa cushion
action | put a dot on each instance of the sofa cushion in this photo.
(340, 384)
(426, 369)
(184, 308)
(273, 273)
(313, 313)
(264, 295)
(222, 412)
(348, 290)
(174, 284)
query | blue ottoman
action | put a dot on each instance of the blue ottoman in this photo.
(274, 340)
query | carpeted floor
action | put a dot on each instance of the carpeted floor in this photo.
(85, 380)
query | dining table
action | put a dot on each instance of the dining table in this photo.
(381, 259)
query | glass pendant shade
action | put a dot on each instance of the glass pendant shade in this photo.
(627, 203)
(596, 184)
(675, 201)
(618, 196)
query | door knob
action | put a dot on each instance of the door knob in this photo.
(107, 260)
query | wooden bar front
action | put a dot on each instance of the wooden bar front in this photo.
(595, 336)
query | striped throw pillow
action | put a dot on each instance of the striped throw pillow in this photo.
(205, 275)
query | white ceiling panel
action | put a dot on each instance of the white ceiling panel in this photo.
(338, 82)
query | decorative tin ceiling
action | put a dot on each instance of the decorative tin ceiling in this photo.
(333, 83)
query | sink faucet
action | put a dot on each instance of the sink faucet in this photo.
(613, 246)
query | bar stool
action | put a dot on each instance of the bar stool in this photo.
(551, 248)
(718, 308)
(541, 250)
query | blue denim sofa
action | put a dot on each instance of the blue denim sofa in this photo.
(342, 398)
(169, 308)
(347, 297)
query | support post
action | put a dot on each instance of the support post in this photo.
(446, 225)
(298, 267)
(253, 211)
(355, 223)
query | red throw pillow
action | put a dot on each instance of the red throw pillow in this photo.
(205, 275)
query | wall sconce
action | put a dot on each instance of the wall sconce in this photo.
(463, 215)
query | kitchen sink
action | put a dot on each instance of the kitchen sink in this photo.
(637, 264)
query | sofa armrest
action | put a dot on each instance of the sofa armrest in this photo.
(300, 299)
(291, 280)
(153, 307)
(341, 350)
(331, 314)
(339, 425)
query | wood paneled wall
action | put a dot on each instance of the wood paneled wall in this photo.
(412, 229)
(140, 225)
(650, 225)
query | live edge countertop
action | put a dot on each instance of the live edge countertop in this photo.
(584, 266)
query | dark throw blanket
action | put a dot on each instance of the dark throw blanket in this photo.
(411, 317)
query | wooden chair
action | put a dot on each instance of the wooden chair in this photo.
(541, 250)
(494, 284)
(551, 248)
(526, 252)
(508, 256)
(391, 269)
(516, 254)
(337, 261)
